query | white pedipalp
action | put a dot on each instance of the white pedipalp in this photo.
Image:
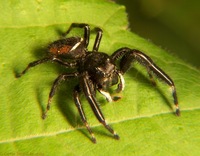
(121, 84)
(106, 94)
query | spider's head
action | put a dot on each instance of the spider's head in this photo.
(105, 70)
(105, 74)
(101, 69)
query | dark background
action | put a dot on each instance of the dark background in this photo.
(174, 25)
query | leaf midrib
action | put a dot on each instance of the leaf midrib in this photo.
(93, 126)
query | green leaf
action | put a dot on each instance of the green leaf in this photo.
(143, 118)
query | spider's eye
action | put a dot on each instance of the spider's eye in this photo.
(101, 72)
(106, 70)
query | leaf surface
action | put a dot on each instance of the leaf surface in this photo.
(144, 116)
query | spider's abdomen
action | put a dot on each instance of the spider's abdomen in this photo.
(69, 47)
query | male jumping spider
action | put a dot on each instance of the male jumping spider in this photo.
(95, 71)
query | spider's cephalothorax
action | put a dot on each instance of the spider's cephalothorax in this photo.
(96, 71)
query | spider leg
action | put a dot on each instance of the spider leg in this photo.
(57, 81)
(64, 63)
(44, 60)
(88, 90)
(126, 62)
(97, 39)
(87, 34)
(86, 31)
(151, 78)
(33, 64)
(81, 111)
(130, 55)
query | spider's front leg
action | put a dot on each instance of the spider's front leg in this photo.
(128, 55)
(89, 91)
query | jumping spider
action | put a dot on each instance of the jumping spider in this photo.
(95, 71)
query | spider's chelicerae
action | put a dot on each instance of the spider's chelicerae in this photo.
(96, 71)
